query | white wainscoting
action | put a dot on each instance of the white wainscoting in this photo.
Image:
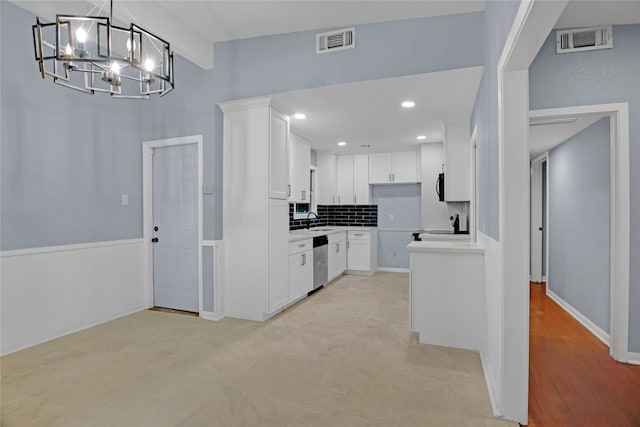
(491, 347)
(50, 292)
(218, 280)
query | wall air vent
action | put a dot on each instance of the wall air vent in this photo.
(336, 40)
(580, 39)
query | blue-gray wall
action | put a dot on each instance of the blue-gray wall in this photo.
(61, 182)
(580, 221)
(597, 77)
(67, 157)
(499, 16)
(403, 202)
(275, 64)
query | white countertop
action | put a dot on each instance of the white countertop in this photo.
(445, 237)
(451, 246)
(303, 233)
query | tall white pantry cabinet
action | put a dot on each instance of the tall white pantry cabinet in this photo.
(255, 213)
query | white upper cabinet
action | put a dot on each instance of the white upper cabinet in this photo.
(326, 179)
(389, 168)
(299, 167)
(352, 180)
(344, 180)
(361, 192)
(457, 187)
(278, 155)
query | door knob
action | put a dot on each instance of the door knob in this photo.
(154, 240)
(155, 228)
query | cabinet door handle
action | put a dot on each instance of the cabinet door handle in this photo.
(393, 177)
(302, 245)
(304, 259)
(333, 200)
(390, 178)
(289, 190)
(348, 244)
(338, 199)
(337, 247)
(357, 234)
(354, 199)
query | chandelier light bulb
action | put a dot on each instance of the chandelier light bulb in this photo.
(81, 35)
(67, 50)
(115, 67)
(129, 45)
(149, 64)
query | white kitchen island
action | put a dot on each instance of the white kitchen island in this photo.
(447, 293)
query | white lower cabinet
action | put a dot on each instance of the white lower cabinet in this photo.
(300, 269)
(362, 256)
(337, 258)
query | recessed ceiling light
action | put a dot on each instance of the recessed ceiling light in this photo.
(300, 116)
(408, 104)
(342, 143)
(421, 137)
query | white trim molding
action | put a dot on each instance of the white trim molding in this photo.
(147, 191)
(633, 358)
(592, 327)
(218, 281)
(71, 247)
(393, 270)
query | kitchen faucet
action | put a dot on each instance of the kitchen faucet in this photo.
(309, 220)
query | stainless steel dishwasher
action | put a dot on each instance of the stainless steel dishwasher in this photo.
(320, 261)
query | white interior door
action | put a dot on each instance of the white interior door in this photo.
(175, 220)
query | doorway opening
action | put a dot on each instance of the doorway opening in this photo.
(172, 224)
(611, 248)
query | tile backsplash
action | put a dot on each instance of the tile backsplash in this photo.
(338, 215)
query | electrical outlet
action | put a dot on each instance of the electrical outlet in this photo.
(392, 217)
(125, 200)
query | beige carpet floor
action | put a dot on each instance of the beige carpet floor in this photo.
(342, 357)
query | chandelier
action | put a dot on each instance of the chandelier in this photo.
(90, 54)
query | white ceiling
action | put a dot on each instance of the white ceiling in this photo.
(193, 26)
(581, 13)
(370, 112)
(545, 137)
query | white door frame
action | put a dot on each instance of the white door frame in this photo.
(536, 218)
(533, 23)
(147, 207)
(620, 216)
(473, 147)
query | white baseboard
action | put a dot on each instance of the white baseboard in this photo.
(592, 327)
(210, 315)
(393, 270)
(633, 358)
(493, 394)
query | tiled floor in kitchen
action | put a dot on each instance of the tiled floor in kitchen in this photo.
(342, 357)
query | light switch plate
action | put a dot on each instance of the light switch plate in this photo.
(125, 200)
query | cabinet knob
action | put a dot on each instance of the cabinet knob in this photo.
(154, 240)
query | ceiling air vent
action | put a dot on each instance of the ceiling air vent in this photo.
(336, 40)
(580, 39)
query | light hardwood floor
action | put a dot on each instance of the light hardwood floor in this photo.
(342, 357)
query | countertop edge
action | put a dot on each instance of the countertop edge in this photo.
(294, 237)
(450, 247)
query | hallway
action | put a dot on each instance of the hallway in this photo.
(572, 379)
